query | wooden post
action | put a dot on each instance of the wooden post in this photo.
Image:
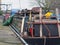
(30, 20)
(57, 14)
(22, 26)
(40, 15)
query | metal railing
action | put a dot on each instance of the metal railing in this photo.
(21, 39)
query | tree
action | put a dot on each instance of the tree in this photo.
(45, 5)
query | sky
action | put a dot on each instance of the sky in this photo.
(18, 4)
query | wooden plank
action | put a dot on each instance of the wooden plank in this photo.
(49, 21)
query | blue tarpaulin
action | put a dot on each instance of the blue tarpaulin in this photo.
(13, 11)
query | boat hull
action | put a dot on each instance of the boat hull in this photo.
(43, 41)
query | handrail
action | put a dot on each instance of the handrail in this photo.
(13, 29)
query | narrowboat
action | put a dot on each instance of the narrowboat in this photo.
(36, 29)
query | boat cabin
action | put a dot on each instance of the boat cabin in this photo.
(36, 25)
